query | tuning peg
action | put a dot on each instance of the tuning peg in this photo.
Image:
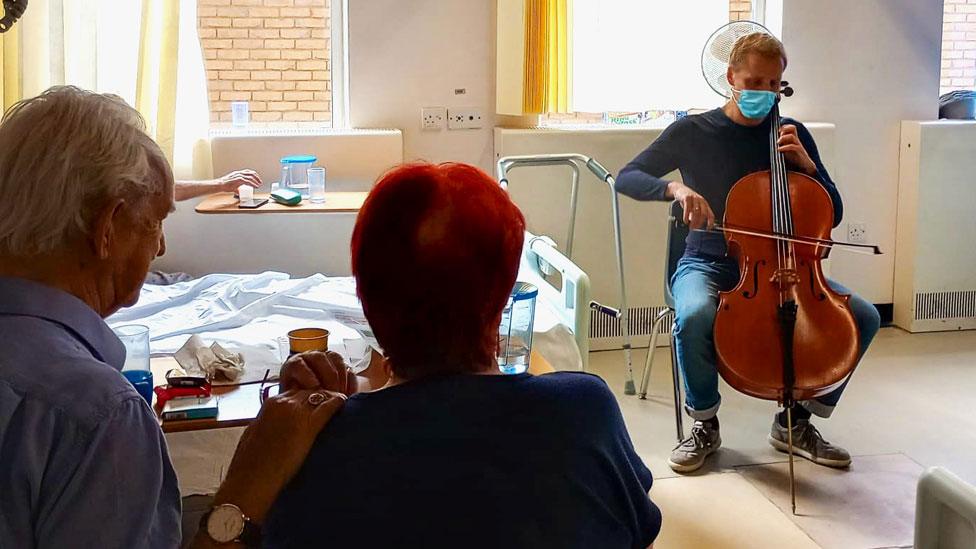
(786, 89)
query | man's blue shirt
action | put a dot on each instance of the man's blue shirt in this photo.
(84, 460)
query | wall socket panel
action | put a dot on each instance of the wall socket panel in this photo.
(432, 118)
(466, 118)
(857, 233)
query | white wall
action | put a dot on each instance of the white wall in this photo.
(408, 54)
(865, 66)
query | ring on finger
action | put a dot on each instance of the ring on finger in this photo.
(317, 398)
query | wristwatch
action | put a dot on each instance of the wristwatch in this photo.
(226, 523)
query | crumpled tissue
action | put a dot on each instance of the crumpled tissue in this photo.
(196, 358)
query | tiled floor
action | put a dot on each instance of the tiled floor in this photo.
(909, 407)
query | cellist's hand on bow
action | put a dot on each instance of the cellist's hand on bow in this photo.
(792, 148)
(698, 213)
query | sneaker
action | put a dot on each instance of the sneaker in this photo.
(809, 443)
(691, 453)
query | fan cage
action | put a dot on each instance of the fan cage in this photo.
(718, 48)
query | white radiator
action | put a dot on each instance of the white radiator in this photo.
(935, 257)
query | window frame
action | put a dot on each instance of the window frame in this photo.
(339, 61)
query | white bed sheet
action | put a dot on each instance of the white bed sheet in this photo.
(247, 313)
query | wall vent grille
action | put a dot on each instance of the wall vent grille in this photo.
(945, 305)
(641, 321)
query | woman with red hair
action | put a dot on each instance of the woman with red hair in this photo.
(451, 453)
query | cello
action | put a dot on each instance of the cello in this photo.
(782, 333)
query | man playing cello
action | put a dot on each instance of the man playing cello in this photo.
(712, 151)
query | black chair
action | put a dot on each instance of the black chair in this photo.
(677, 232)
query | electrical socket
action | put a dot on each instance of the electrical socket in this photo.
(857, 232)
(432, 118)
(467, 118)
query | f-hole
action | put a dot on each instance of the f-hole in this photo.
(755, 280)
(819, 296)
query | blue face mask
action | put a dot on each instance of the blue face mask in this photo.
(755, 104)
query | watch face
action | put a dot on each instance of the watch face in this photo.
(225, 524)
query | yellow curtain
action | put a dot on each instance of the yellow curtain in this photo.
(10, 85)
(159, 44)
(548, 57)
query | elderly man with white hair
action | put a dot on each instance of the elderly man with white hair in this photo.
(83, 195)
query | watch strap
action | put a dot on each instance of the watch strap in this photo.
(251, 535)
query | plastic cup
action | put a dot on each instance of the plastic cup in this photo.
(283, 348)
(142, 380)
(240, 115)
(316, 184)
(135, 337)
(308, 339)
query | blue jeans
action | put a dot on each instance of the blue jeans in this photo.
(695, 286)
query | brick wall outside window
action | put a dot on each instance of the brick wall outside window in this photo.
(958, 46)
(274, 54)
(740, 10)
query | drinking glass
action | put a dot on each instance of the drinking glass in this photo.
(135, 337)
(316, 184)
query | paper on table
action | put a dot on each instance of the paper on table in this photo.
(198, 359)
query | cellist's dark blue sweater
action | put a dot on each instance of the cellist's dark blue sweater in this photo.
(712, 152)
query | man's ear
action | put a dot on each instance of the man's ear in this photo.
(105, 228)
(728, 76)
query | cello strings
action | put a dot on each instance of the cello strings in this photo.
(776, 188)
(772, 183)
(786, 196)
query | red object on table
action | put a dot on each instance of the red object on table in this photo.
(166, 392)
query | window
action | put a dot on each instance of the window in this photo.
(277, 55)
(958, 46)
(642, 29)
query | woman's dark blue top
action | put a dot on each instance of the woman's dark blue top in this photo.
(472, 461)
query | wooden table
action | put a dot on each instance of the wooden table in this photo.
(335, 202)
(238, 405)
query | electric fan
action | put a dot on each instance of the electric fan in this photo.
(718, 48)
(13, 10)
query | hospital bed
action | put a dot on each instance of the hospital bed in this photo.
(251, 313)
(945, 511)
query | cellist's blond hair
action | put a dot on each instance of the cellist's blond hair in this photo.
(759, 43)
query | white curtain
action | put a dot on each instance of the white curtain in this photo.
(125, 47)
(635, 55)
(191, 143)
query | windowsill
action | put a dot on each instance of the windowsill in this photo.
(585, 129)
(618, 129)
(273, 131)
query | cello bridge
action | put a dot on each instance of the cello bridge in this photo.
(785, 278)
